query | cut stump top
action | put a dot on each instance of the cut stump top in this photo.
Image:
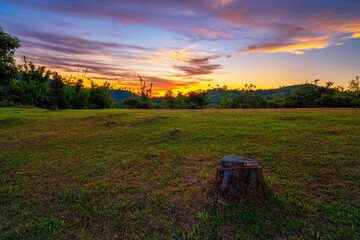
(240, 177)
(235, 161)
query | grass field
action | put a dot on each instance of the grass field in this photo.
(147, 174)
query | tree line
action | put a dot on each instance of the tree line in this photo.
(27, 84)
(304, 96)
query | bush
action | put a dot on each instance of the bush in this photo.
(303, 97)
(137, 103)
(100, 96)
(248, 100)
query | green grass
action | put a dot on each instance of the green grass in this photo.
(147, 174)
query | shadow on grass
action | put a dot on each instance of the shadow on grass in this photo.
(272, 217)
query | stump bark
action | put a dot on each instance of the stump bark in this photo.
(239, 177)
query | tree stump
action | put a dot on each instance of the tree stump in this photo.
(239, 177)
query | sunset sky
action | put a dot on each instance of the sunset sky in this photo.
(188, 44)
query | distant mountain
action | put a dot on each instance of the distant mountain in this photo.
(122, 94)
(216, 96)
(118, 96)
(270, 94)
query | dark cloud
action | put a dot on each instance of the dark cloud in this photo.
(69, 53)
(164, 83)
(196, 66)
(182, 16)
(68, 44)
(198, 70)
(69, 64)
(202, 60)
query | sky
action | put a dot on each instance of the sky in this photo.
(183, 45)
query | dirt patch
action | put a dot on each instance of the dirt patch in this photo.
(99, 117)
(148, 121)
(7, 122)
(109, 124)
(250, 137)
(174, 132)
(335, 131)
(89, 117)
(294, 118)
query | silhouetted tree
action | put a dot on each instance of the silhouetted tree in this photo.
(354, 91)
(33, 85)
(76, 96)
(196, 99)
(100, 96)
(354, 85)
(329, 84)
(169, 100)
(56, 90)
(225, 103)
(248, 100)
(144, 101)
(8, 70)
(303, 96)
(145, 91)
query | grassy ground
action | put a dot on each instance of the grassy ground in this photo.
(137, 174)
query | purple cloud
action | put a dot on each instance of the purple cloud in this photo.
(264, 21)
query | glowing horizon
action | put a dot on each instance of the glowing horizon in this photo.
(185, 45)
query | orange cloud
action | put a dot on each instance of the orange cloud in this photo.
(172, 54)
(356, 35)
(295, 47)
